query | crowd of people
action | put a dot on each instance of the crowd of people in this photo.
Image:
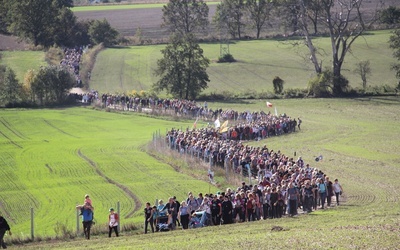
(71, 60)
(225, 145)
(292, 188)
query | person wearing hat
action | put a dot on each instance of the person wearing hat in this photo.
(4, 227)
(113, 220)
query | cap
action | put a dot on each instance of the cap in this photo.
(111, 209)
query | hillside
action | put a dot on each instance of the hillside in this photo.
(52, 165)
(132, 68)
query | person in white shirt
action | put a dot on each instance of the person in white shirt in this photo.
(113, 220)
(338, 190)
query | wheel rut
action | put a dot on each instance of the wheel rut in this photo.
(125, 189)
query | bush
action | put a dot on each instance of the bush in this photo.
(278, 85)
(88, 60)
(294, 93)
(54, 55)
(227, 58)
(321, 85)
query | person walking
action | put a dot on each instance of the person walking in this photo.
(338, 190)
(87, 219)
(4, 227)
(113, 220)
(322, 192)
(184, 215)
(148, 215)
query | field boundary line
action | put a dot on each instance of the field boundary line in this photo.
(127, 191)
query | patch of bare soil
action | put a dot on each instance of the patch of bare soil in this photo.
(12, 43)
(128, 21)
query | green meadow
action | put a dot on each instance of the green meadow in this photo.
(51, 158)
(132, 68)
(22, 61)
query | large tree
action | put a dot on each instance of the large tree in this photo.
(182, 69)
(34, 20)
(185, 16)
(51, 84)
(100, 31)
(230, 16)
(345, 21)
(258, 11)
(10, 88)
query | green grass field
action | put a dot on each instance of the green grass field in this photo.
(132, 68)
(22, 61)
(70, 152)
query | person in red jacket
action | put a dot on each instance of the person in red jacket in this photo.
(113, 220)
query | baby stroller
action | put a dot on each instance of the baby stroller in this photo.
(162, 225)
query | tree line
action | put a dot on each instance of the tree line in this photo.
(182, 70)
(342, 21)
(52, 23)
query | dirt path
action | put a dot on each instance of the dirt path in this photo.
(126, 190)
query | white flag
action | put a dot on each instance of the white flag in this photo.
(217, 123)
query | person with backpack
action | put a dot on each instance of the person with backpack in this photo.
(322, 190)
(4, 227)
(193, 203)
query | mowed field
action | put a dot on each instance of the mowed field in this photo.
(70, 152)
(22, 61)
(132, 68)
(49, 159)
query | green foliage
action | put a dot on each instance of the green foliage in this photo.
(34, 20)
(327, 84)
(229, 16)
(321, 85)
(259, 12)
(185, 16)
(10, 88)
(102, 32)
(182, 68)
(390, 15)
(51, 84)
(227, 58)
(54, 55)
(278, 85)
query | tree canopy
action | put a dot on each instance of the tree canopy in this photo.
(182, 69)
(186, 16)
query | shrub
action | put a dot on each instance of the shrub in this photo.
(226, 58)
(54, 55)
(294, 93)
(278, 85)
(321, 85)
